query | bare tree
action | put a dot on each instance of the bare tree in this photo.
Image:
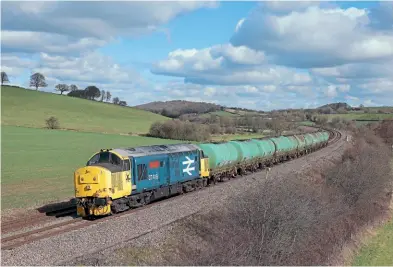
(108, 96)
(62, 88)
(103, 95)
(4, 77)
(37, 80)
(73, 87)
(278, 126)
(116, 100)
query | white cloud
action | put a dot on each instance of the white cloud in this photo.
(305, 50)
(210, 91)
(352, 98)
(369, 103)
(378, 86)
(14, 65)
(247, 96)
(285, 54)
(344, 87)
(54, 26)
(331, 91)
(357, 71)
(209, 60)
(227, 65)
(315, 37)
(239, 24)
(288, 6)
(92, 67)
(34, 42)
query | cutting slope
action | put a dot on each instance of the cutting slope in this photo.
(29, 108)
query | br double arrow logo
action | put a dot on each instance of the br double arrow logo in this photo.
(188, 162)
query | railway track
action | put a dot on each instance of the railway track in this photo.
(18, 224)
(334, 137)
(18, 240)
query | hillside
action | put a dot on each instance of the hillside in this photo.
(29, 108)
(336, 106)
(49, 158)
(176, 108)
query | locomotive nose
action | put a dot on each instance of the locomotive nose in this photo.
(89, 177)
(88, 180)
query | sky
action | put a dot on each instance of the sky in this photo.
(259, 55)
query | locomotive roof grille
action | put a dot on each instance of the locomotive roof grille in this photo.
(155, 149)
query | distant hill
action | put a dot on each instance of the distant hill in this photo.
(336, 106)
(30, 108)
(176, 108)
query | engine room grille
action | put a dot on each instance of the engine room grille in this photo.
(117, 181)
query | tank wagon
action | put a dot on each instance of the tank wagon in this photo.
(115, 180)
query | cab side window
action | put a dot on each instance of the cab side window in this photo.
(115, 159)
(127, 165)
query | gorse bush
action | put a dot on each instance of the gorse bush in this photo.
(52, 123)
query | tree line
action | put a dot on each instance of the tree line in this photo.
(91, 92)
(178, 108)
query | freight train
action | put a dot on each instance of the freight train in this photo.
(116, 180)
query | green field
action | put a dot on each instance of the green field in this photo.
(38, 164)
(379, 250)
(384, 109)
(360, 116)
(361, 123)
(29, 108)
(307, 123)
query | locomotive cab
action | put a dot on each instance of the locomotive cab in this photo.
(106, 176)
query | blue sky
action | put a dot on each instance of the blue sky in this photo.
(262, 55)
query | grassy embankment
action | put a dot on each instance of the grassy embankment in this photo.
(378, 250)
(38, 164)
(29, 108)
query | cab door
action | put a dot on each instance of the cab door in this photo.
(127, 176)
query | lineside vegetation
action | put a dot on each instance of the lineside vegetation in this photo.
(295, 220)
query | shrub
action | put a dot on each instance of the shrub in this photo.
(179, 130)
(364, 176)
(52, 123)
(290, 220)
(215, 128)
(385, 130)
